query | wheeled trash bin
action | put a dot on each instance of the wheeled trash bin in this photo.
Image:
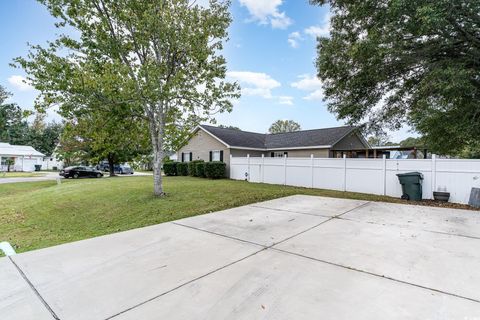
(411, 185)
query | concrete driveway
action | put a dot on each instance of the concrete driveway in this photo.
(298, 257)
(45, 177)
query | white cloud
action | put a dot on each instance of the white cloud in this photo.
(287, 100)
(255, 83)
(267, 12)
(20, 83)
(311, 84)
(322, 30)
(294, 38)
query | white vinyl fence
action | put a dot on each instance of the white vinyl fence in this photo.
(375, 176)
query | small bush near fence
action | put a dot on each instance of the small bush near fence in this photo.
(192, 167)
(182, 169)
(170, 168)
(215, 170)
(200, 169)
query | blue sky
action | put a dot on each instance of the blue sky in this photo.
(271, 52)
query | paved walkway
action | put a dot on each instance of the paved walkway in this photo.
(298, 257)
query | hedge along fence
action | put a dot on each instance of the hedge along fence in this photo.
(197, 168)
(215, 169)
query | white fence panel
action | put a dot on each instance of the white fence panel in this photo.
(375, 176)
(238, 168)
(299, 172)
(274, 171)
(255, 173)
(394, 167)
(365, 175)
(328, 174)
(458, 176)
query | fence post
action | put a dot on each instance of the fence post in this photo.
(312, 171)
(344, 172)
(285, 168)
(248, 167)
(384, 174)
(263, 168)
(434, 172)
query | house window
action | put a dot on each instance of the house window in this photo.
(279, 154)
(186, 156)
(5, 160)
(216, 155)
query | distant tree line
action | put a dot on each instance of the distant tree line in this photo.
(15, 129)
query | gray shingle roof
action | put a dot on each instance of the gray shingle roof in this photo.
(306, 138)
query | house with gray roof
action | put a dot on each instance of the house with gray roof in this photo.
(210, 143)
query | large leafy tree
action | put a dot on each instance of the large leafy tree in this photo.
(280, 126)
(392, 62)
(111, 134)
(13, 126)
(161, 57)
(44, 137)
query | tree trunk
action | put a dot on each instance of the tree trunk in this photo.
(157, 172)
(111, 165)
(156, 133)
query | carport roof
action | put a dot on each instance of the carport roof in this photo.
(326, 137)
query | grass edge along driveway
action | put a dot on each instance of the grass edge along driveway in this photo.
(35, 215)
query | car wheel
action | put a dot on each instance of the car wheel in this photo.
(75, 176)
(99, 175)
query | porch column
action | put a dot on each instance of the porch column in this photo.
(375, 153)
(366, 153)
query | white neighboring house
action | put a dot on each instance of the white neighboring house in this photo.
(25, 157)
(51, 162)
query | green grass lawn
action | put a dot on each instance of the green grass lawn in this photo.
(20, 174)
(40, 214)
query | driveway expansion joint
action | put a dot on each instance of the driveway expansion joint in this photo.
(30, 284)
(377, 275)
(183, 284)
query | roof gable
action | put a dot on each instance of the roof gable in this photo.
(300, 139)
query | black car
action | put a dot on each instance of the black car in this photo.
(80, 172)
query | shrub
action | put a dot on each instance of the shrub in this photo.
(182, 169)
(192, 170)
(200, 169)
(170, 168)
(215, 170)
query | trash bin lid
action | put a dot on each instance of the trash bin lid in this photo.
(410, 174)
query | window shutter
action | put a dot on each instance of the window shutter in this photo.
(183, 157)
(211, 157)
(191, 156)
(221, 155)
